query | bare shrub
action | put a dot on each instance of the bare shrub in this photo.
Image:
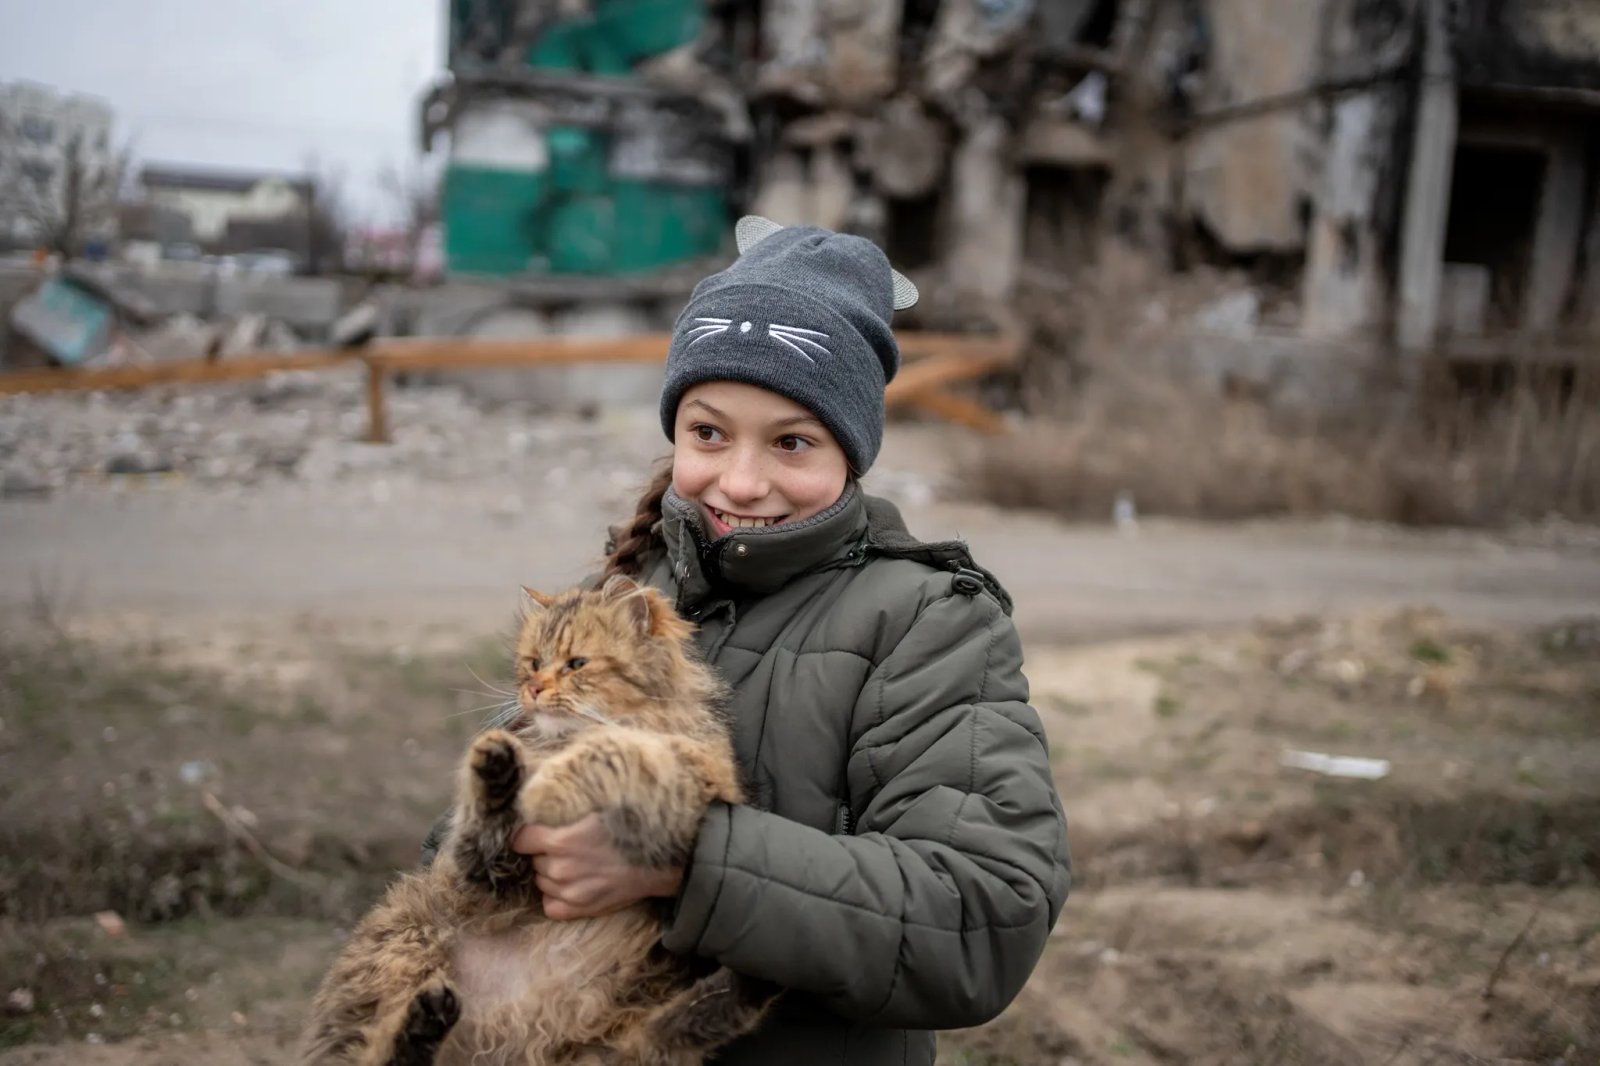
(1183, 448)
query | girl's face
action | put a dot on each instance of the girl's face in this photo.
(750, 457)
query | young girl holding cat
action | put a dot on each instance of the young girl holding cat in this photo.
(902, 857)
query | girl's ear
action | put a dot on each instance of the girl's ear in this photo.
(536, 599)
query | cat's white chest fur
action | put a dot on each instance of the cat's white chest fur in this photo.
(512, 983)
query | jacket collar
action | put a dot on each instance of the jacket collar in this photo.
(757, 561)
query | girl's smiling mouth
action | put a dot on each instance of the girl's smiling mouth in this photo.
(724, 522)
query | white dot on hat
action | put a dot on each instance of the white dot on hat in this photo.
(744, 327)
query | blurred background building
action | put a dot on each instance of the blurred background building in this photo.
(58, 171)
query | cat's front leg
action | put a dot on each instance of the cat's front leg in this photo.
(599, 771)
(650, 789)
(487, 816)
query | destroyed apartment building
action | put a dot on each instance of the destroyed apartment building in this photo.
(1414, 174)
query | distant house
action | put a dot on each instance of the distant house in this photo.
(215, 200)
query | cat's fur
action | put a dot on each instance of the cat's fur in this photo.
(458, 964)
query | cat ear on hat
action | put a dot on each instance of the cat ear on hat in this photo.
(751, 230)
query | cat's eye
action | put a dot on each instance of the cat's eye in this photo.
(533, 664)
(577, 663)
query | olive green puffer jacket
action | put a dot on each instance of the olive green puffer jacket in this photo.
(904, 855)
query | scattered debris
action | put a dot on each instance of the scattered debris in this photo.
(20, 1000)
(305, 428)
(196, 771)
(1124, 515)
(1336, 765)
(111, 923)
(356, 326)
(65, 323)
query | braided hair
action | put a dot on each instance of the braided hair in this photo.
(636, 539)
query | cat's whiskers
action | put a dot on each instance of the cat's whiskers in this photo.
(497, 706)
(507, 714)
(493, 689)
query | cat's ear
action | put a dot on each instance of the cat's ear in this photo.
(618, 586)
(536, 599)
(633, 599)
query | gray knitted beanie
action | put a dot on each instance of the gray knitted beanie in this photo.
(805, 313)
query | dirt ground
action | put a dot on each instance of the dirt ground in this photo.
(226, 718)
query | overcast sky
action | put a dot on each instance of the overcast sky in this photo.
(258, 84)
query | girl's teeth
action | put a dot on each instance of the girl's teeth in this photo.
(735, 522)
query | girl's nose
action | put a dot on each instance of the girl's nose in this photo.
(744, 479)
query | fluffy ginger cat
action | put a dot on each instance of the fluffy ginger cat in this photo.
(616, 715)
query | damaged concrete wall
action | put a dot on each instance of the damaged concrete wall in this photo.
(1247, 181)
(1529, 43)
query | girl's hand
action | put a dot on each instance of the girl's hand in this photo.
(578, 870)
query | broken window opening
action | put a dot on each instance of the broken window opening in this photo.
(1494, 203)
(917, 19)
(1101, 25)
(914, 231)
(1280, 271)
(1061, 227)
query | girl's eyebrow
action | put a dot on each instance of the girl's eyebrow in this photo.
(782, 423)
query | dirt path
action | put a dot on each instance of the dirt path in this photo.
(445, 553)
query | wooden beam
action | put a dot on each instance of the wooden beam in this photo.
(177, 372)
(377, 415)
(932, 361)
(957, 409)
(447, 353)
(937, 371)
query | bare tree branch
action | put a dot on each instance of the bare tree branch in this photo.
(415, 192)
(68, 199)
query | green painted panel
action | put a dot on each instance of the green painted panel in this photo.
(491, 219)
(638, 29)
(563, 46)
(577, 158)
(509, 222)
(662, 224)
(580, 234)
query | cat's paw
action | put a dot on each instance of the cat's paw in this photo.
(552, 799)
(429, 1019)
(496, 769)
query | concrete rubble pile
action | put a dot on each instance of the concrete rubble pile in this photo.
(100, 315)
(305, 429)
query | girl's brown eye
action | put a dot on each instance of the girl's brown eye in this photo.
(577, 663)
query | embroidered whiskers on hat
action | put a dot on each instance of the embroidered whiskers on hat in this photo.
(805, 313)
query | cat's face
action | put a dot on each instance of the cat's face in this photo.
(596, 657)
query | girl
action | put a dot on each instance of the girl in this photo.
(904, 854)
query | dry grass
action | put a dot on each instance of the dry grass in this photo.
(1129, 392)
(1181, 448)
